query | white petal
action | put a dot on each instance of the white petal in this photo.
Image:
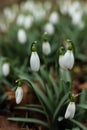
(20, 20)
(28, 22)
(70, 111)
(54, 18)
(49, 28)
(68, 59)
(34, 61)
(73, 108)
(19, 95)
(22, 38)
(61, 60)
(46, 48)
(6, 69)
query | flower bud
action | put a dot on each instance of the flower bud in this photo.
(70, 111)
(19, 94)
(6, 69)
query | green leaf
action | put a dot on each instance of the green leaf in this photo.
(84, 106)
(78, 124)
(50, 94)
(39, 78)
(55, 87)
(40, 94)
(34, 105)
(31, 109)
(3, 97)
(28, 120)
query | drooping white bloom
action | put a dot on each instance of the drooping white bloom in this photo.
(54, 18)
(49, 28)
(70, 111)
(68, 59)
(19, 94)
(22, 38)
(20, 20)
(28, 21)
(34, 61)
(6, 69)
(46, 48)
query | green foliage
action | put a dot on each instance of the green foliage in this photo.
(55, 93)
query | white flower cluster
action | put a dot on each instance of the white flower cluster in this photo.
(75, 10)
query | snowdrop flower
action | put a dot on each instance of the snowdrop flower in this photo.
(46, 48)
(70, 111)
(66, 61)
(54, 18)
(77, 17)
(20, 20)
(27, 6)
(22, 38)
(19, 94)
(6, 69)
(74, 7)
(34, 59)
(28, 22)
(49, 28)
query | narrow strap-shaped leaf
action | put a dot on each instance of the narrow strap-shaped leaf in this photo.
(30, 120)
(60, 105)
(55, 87)
(39, 79)
(39, 93)
(84, 106)
(31, 109)
(34, 105)
(78, 124)
(50, 95)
